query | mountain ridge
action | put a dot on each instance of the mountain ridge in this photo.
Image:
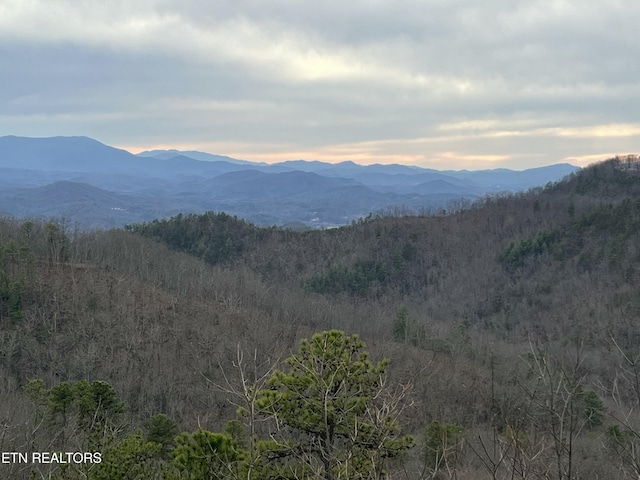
(316, 193)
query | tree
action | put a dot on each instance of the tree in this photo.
(162, 430)
(99, 410)
(132, 457)
(205, 455)
(333, 406)
(16, 265)
(625, 444)
(253, 377)
(443, 446)
(90, 411)
(558, 406)
(57, 244)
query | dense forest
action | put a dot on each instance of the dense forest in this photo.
(496, 340)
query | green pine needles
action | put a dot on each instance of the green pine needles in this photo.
(336, 420)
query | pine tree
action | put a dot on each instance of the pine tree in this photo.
(341, 421)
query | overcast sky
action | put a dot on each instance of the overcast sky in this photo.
(436, 83)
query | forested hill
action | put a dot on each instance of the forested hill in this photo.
(491, 265)
(511, 329)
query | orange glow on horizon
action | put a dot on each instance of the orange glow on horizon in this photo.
(440, 160)
(369, 153)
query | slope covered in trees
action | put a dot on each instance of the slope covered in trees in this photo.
(512, 322)
(492, 266)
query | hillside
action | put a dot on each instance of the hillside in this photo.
(479, 266)
(510, 320)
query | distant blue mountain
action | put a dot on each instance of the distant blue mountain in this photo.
(514, 179)
(256, 184)
(202, 156)
(79, 154)
(98, 185)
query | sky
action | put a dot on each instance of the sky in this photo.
(447, 84)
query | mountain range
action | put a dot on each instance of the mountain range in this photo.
(94, 185)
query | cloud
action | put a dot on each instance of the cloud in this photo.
(514, 82)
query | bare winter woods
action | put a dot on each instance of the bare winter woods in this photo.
(498, 340)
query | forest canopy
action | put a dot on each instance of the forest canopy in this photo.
(509, 325)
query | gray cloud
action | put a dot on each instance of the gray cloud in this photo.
(442, 83)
